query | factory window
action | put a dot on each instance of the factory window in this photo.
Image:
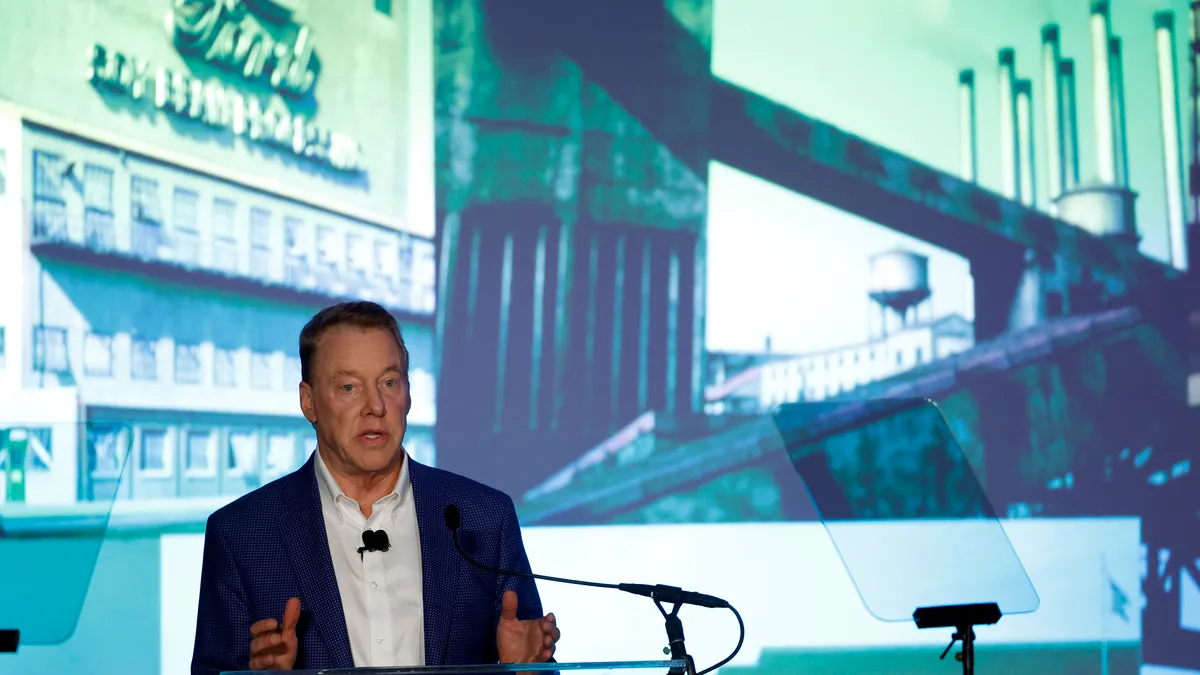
(200, 459)
(2, 347)
(260, 370)
(224, 368)
(330, 245)
(389, 273)
(260, 243)
(281, 453)
(423, 279)
(144, 359)
(872, 355)
(291, 372)
(384, 7)
(224, 230)
(358, 263)
(296, 268)
(50, 350)
(185, 234)
(49, 207)
(146, 228)
(187, 364)
(40, 447)
(406, 271)
(98, 230)
(899, 358)
(917, 355)
(107, 448)
(97, 355)
(242, 453)
(153, 458)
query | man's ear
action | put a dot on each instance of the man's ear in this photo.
(306, 403)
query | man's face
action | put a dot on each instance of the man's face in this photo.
(358, 399)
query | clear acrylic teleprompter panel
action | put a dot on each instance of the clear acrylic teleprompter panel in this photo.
(622, 667)
(53, 519)
(902, 505)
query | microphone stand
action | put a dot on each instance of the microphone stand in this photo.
(676, 646)
(677, 597)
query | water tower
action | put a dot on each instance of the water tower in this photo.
(899, 283)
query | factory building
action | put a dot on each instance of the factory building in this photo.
(904, 335)
(176, 216)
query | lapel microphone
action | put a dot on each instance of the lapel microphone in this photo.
(374, 540)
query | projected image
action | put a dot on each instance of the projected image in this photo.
(655, 264)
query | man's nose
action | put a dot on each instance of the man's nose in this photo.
(374, 401)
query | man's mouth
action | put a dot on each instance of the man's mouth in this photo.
(374, 435)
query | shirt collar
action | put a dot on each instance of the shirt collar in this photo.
(333, 494)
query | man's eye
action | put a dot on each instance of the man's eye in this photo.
(389, 383)
(347, 388)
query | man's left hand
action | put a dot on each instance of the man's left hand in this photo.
(530, 641)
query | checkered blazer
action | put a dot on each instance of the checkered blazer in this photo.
(270, 545)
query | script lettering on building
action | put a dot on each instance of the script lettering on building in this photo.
(236, 35)
(217, 105)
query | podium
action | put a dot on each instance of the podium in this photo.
(622, 667)
(47, 554)
(907, 514)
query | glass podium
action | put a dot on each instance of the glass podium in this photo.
(622, 667)
(48, 550)
(907, 514)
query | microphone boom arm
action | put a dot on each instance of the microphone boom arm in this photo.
(677, 597)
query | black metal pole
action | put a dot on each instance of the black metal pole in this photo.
(675, 641)
(967, 635)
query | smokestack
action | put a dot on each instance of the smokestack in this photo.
(1070, 128)
(1055, 157)
(1168, 97)
(1010, 184)
(1024, 93)
(966, 124)
(1102, 101)
(1120, 145)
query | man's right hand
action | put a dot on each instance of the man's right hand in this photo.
(273, 647)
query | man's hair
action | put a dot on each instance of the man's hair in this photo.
(358, 314)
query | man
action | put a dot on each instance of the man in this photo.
(289, 580)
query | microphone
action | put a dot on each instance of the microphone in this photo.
(658, 593)
(374, 540)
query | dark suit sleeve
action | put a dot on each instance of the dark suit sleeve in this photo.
(223, 615)
(513, 557)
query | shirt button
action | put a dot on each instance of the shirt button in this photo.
(374, 584)
(379, 640)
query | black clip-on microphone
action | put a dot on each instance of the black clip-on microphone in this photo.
(374, 540)
(658, 593)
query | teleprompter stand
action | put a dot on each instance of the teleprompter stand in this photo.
(963, 619)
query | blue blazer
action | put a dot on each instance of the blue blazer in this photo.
(270, 545)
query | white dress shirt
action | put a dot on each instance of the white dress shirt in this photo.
(381, 592)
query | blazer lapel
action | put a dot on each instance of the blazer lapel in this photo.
(303, 528)
(439, 561)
